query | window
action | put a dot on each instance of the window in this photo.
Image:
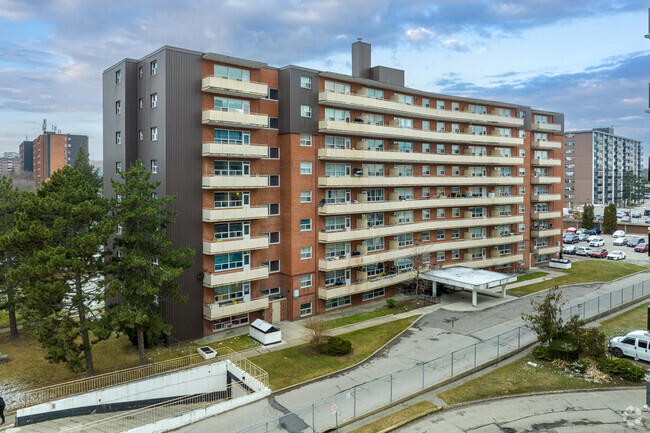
(140, 72)
(426, 148)
(426, 214)
(305, 253)
(455, 254)
(337, 115)
(440, 170)
(305, 309)
(404, 193)
(274, 208)
(227, 136)
(274, 153)
(154, 133)
(522, 153)
(405, 240)
(274, 237)
(404, 170)
(374, 219)
(440, 234)
(118, 167)
(154, 166)
(153, 67)
(440, 148)
(426, 170)
(305, 196)
(305, 281)
(118, 137)
(336, 277)
(118, 107)
(305, 110)
(232, 105)
(404, 264)
(440, 126)
(522, 190)
(376, 293)
(522, 228)
(455, 233)
(374, 170)
(455, 106)
(405, 146)
(426, 125)
(426, 192)
(332, 86)
(375, 194)
(333, 142)
(522, 171)
(305, 224)
(140, 103)
(230, 261)
(274, 180)
(337, 249)
(404, 217)
(478, 212)
(338, 302)
(337, 223)
(305, 82)
(305, 168)
(154, 100)
(455, 149)
(118, 76)
(440, 213)
(374, 244)
(273, 265)
(305, 140)
(455, 212)
(440, 256)
(337, 169)
(522, 208)
(426, 236)
(404, 123)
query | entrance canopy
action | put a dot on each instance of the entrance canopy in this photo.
(468, 279)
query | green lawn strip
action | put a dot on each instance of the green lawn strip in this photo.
(368, 315)
(586, 271)
(4, 319)
(299, 363)
(530, 276)
(631, 320)
(517, 377)
(399, 418)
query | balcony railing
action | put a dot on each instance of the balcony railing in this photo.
(545, 215)
(546, 145)
(234, 214)
(235, 182)
(227, 86)
(544, 233)
(364, 286)
(546, 250)
(492, 261)
(545, 197)
(433, 158)
(235, 119)
(235, 150)
(545, 162)
(368, 130)
(238, 276)
(224, 246)
(537, 180)
(402, 181)
(218, 311)
(546, 127)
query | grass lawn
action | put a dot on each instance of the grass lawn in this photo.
(399, 418)
(297, 364)
(585, 271)
(529, 276)
(4, 319)
(517, 378)
(379, 312)
(631, 320)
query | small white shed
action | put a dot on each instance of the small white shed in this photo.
(264, 332)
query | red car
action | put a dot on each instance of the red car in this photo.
(641, 248)
(598, 253)
(571, 230)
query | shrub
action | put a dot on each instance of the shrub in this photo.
(622, 368)
(335, 346)
(579, 366)
(592, 343)
(390, 303)
(564, 348)
(543, 352)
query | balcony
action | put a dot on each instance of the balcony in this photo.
(546, 250)
(492, 261)
(403, 181)
(391, 255)
(235, 150)
(546, 127)
(545, 233)
(365, 103)
(235, 182)
(545, 162)
(545, 197)
(230, 87)
(394, 205)
(549, 145)
(423, 158)
(239, 276)
(537, 180)
(364, 286)
(234, 214)
(216, 311)
(398, 229)
(394, 132)
(230, 246)
(235, 119)
(545, 215)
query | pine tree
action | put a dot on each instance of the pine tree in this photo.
(143, 268)
(610, 223)
(87, 171)
(588, 217)
(61, 230)
(11, 202)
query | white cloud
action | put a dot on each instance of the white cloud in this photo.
(420, 35)
(453, 44)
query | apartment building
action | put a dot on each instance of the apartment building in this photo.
(594, 164)
(9, 163)
(305, 191)
(52, 151)
(26, 151)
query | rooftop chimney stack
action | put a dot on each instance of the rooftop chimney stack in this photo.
(360, 59)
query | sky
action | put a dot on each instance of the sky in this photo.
(587, 59)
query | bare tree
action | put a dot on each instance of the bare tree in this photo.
(318, 329)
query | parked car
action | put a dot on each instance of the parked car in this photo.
(647, 221)
(636, 214)
(641, 248)
(633, 242)
(620, 241)
(597, 242)
(571, 230)
(570, 239)
(646, 212)
(583, 237)
(598, 253)
(620, 214)
(634, 343)
(592, 237)
(581, 231)
(616, 255)
(618, 233)
(595, 232)
(626, 219)
(569, 249)
(583, 251)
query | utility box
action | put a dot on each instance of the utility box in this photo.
(264, 332)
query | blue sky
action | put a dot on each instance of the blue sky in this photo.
(587, 59)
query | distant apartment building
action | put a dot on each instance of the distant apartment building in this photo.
(303, 191)
(594, 164)
(52, 151)
(9, 163)
(26, 151)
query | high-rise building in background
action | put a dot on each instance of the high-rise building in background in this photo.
(53, 150)
(26, 150)
(9, 163)
(594, 164)
(304, 191)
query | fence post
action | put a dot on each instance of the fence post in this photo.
(313, 419)
(391, 387)
(267, 427)
(584, 310)
(475, 344)
(570, 312)
(355, 403)
(610, 300)
(598, 304)
(518, 337)
(622, 296)
(498, 344)
(423, 375)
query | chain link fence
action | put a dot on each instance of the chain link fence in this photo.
(344, 406)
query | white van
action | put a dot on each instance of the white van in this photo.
(634, 343)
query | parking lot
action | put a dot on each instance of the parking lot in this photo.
(631, 255)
